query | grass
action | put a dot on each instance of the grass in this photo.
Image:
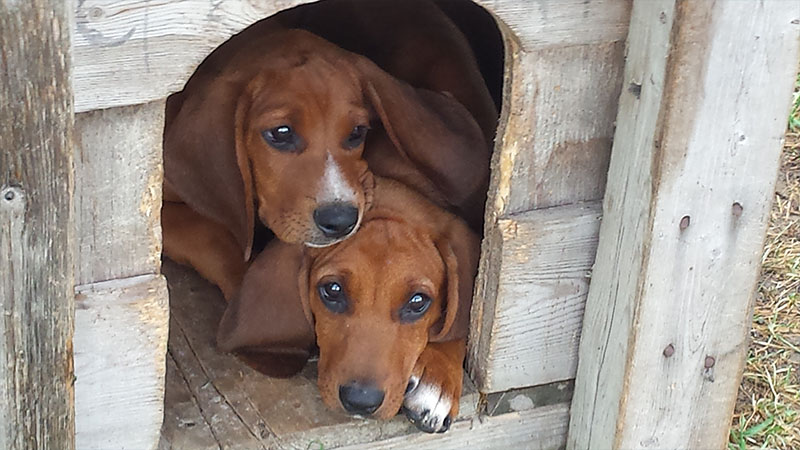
(767, 414)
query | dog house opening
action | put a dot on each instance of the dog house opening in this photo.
(375, 126)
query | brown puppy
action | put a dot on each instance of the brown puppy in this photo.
(389, 307)
(275, 123)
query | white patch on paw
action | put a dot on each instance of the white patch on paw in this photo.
(428, 404)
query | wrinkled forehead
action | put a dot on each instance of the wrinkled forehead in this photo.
(384, 257)
(314, 83)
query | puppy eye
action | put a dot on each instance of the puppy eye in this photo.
(332, 296)
(415, 308)
(281, 138)
(356, 137)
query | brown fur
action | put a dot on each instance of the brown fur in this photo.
(217, 163)
(405, 245)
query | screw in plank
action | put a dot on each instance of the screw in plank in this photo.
(737, 209)
(685, 221)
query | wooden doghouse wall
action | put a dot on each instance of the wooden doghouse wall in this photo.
(563, 76)
(121, 307)
(564, 64)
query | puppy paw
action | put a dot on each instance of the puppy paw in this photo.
(433, 392)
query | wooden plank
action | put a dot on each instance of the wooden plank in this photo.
(534, 429)
(36, 223)
(184, 425)
(120, 350)
(137, 51)
(526, 326)
(228, 428)
(708, 86)
(118, 192)
(235, 399)
(518, 400)
(555, 141)
(558, 23)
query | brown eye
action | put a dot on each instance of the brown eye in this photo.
(415, 308)
(332, 296)
(356, 137)
(282, 138)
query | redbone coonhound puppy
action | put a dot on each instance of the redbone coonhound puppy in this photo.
(388, 308)
(273, 124)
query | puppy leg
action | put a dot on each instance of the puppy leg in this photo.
(434, 390)
(208, 247)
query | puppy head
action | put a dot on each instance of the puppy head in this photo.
(377, 299)
(301, 131)
(278, 122)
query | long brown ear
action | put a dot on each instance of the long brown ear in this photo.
(265, 323)
(432, 131)
(204, 161)
(460, 250)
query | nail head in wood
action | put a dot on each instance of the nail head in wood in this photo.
(685, 221)
(737, 209)
(710, 361)
(669, 350)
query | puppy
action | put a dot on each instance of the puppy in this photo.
(388, 309)
(275, 123)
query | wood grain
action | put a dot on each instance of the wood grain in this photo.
(707, 90)
(120, 350)
(560, 23)
(535, 429)
(36, 226)
(137, 51)
(118, 175)
(528, 327)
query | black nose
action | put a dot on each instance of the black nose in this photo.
(359, 398)
(336, 219)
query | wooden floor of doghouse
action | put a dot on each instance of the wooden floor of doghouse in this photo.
(214, 401)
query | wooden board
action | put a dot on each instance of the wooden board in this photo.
(137, 51)
(118, 175)
(559, 23)
(535, 429)
(708, 86)
(120, 349)
(557, 140)
(213, 400)
(552, 150)
(527, 320)
(36, 223)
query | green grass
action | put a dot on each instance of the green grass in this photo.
(794, 115)
(767, 414)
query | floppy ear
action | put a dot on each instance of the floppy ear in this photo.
(265, 324)
(431, 130)
(460, 250)
(204, 160)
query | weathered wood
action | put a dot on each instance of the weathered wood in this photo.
(533, 429)
(139, 51)
(220, 396)
(120, 351)
(184, 425)
(526, 328)
(118, 176)
(691, 178)
(558, 23)
(36, 223)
